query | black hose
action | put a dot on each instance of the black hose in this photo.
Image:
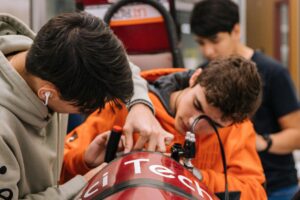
(168, 21)
(212, 124)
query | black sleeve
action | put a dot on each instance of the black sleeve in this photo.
(174, 81)
(177, 81)
(282, 93)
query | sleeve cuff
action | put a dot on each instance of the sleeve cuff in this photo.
(72, 187)
(142, 101)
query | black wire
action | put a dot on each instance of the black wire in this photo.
(213, 125)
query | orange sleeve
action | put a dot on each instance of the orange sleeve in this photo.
(79, 139)
(244, 169)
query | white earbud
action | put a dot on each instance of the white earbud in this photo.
(47, 95)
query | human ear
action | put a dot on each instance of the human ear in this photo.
(47, 96)
(45, 93)
(236, 32)
(194, 77)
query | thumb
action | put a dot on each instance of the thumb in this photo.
(168, 138)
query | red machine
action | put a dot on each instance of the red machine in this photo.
(146, 176)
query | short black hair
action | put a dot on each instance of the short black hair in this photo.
(210, 17)
(81, 56)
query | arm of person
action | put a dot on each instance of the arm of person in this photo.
(245, 172)
(10, 180)
(82, 136)
(140, 111)
(285, 107)
(287, 140)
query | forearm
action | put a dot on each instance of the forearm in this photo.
(140, 89)
(64, 192)
(76, 143)
(285, 142)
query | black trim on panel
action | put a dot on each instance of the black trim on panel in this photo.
(169, 24)
(144, 182)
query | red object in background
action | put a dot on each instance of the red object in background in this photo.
(146, 38)
(145, 175)
(93, 2)
(141, 38)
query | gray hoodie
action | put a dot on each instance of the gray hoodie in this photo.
(31, 138)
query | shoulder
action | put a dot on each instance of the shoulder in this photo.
(271, 71)
(243, 130)
(242, 134)
(8, 119)
(266, 63)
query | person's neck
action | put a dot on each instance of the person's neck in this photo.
(174, 98)
(18, 62)
(245, 51)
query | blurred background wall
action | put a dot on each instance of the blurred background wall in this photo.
(273, 27)
(19, 8)
(35, 13)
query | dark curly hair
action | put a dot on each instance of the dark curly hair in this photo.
(81, 56)
(233, 85)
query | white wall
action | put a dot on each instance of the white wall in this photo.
(18, 8)
(36, 13)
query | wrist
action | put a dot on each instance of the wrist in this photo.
(131, 104)
(268, 141)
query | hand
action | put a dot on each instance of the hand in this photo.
(194, 77)
(141, 119)
(95, 153)
(88, 176)
(261, 144)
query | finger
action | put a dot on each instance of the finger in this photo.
(167, 154)
(122, 143)
(102, 138)
(165, 140)
(152, 142)
(161, 145)
(169, 138)
(128, 139)
(140, 143)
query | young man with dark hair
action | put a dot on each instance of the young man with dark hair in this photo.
(74, 64)
(227, 92)
(215, 24)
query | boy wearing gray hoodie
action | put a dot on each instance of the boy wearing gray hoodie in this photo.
(75, 64)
